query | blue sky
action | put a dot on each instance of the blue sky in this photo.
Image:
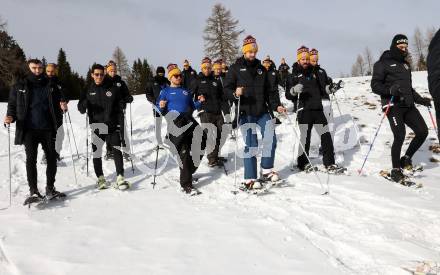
(170, 31)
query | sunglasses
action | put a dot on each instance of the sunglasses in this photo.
(178, 76)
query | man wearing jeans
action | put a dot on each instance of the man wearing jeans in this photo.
(247, 82)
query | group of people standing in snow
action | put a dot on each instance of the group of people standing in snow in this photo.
(247, 89)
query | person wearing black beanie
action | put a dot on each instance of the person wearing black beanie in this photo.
(392, 81)
(158, 83)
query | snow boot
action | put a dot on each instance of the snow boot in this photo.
(121, 183)
(335, 169)
(397, 175)
(406, 163)
(272, 176)
(101, 183)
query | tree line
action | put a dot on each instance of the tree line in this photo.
(13, 66)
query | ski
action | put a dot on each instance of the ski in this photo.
(405, 182)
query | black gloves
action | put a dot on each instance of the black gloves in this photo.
(424, 101)
(395, 90)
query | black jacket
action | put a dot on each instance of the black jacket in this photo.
(258, 96)
(125, 93)
(188, 76)
(283, 70)
(20, 100)
(212, 89)
(434, 67)
(389, 71)
(154, 88)
(103, 103)
(313, 87)
(322, 75)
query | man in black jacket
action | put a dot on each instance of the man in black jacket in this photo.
(247, 82)
(392, 81)
(283, 70)
(104, 103)
(153, 91)
(434, 74)
(37, 106)
(211, 110)
(189, 74)
(126, 97)
(309, 89)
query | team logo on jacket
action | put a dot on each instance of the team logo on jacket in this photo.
(108, 93)
(185, 92)
(259, 71)
(59, 87)
(273, 73)
(118, 84)
(214, 83)
(22, 91)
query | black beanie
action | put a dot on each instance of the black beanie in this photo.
(399, 39)
(160, 70)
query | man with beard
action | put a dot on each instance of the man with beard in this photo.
(159, 83)
(178, 104)
(283, 70)
(306, 86)
(211, 89)
(189, 74)
(392, 81)
(248, 83)
(37, 105)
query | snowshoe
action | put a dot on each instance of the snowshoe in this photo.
(309, 168)
(121, 183)
(335, 169)
(53, 194)
(101, 183)
(402, 179)
(127, 156)
(270, 177)
(34, 197)
(213, 163)
(191, 191)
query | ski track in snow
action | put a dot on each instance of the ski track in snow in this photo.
(366, 225)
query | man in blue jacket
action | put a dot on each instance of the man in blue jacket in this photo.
(177, 104)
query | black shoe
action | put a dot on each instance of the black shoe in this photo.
(212, 163)
(406, 163)
(190, 190)
(397, 175)
(34, 197)
(53, 193)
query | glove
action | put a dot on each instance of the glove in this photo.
(330, 89)
(425, 101)
(296, 90)
(395, 90)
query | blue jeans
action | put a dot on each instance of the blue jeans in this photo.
(248, 129)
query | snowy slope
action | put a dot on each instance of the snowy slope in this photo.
(365, 226)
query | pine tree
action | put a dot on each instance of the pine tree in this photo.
(140, 76)
(123, 69)
(221, 35)
(72, 82)
(12, 61)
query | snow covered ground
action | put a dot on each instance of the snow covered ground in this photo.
(366, 225)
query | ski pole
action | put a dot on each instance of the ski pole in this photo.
(308, 159)
(131, 124)
(236, 142)
(87, 144)
(375, 135)
(73, 135)
(70, 146)
(129, 142)
(9, 161)
(155, 167)
(432, 120)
